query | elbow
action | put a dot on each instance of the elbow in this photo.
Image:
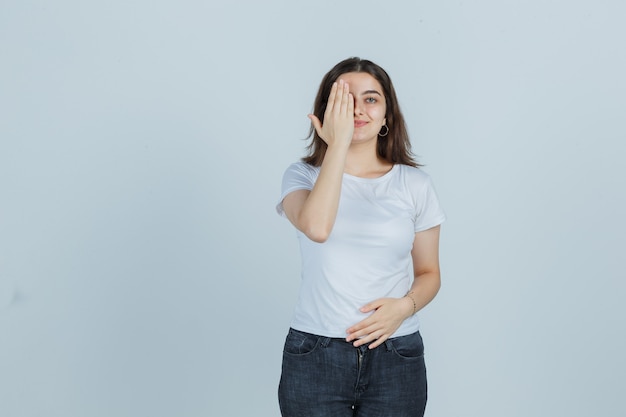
(317, 234)
(317, 239)
(437, 283)
(437, 286)
(315, 228)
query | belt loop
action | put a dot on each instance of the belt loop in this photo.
(389, 345)
(325, 341)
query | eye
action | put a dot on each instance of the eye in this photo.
(370, 100)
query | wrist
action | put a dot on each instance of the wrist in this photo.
(340, 146)
(413, 304)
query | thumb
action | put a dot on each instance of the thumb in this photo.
(316, 123)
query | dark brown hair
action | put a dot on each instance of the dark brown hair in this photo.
(395, 147)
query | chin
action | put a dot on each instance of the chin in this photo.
(363, 138)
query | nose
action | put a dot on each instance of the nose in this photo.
(357, 108)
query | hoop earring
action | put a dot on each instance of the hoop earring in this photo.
(386, 131)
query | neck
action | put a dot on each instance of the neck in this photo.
(363, 161)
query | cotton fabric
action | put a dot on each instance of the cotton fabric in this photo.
(368, 253)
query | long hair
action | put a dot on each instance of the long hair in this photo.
(395, 147)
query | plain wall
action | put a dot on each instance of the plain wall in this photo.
(144, 271)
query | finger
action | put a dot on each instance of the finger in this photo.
(350, 105)
(331, 99)
(363, 324)
(371, 306)
(353, 335)
(370, 338)
(362, 332)
(367, 308)
(339, 91)
(378, 342)
(345, 98)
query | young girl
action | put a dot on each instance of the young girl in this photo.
(367, 220)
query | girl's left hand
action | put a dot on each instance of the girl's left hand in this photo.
(388, 315)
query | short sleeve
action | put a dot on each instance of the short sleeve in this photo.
(428, 212)
(298, 176)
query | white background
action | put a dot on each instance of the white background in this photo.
(144, 272)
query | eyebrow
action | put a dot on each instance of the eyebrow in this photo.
(371, 92)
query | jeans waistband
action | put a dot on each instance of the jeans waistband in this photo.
(324, 341)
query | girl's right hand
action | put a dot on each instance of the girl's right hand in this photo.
(338, 126)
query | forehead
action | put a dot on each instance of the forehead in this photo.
(361, 81)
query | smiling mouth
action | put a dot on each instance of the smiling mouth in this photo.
(359, 123)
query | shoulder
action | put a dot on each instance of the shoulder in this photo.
(412, 176)
(421, 191)
(301, 171)
(302, 168)
(299, 175)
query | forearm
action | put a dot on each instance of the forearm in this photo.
(319, 211)
(314, 213)
(424, 289)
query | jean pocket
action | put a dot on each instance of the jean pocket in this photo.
(409, 347)
(300, 343)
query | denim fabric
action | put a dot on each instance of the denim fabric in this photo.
(329, 377)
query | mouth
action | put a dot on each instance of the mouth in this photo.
(359, 123)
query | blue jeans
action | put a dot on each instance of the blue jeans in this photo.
(329, 377)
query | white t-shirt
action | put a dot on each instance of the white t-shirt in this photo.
(368, 253)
